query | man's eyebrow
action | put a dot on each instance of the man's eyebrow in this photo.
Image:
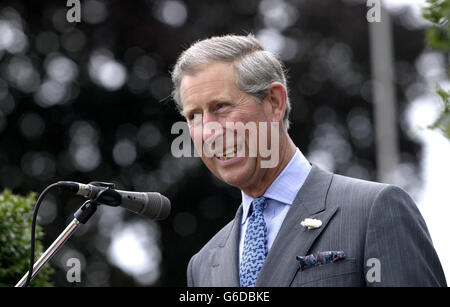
(188, 112)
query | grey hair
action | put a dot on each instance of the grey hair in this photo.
(255, 68)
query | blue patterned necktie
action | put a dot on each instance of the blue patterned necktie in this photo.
(255, 245)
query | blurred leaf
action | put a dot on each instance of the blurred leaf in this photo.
(438, 37)
(443, 121)
(438, 34)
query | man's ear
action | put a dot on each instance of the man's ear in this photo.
(276, 98)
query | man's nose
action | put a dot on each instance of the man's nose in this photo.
(211, 126)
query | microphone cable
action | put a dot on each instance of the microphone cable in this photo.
(60, 184)
(33, 229)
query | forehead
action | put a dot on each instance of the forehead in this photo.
(211, 82)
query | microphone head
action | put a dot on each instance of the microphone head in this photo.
(158, 206)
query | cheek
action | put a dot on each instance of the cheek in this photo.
(256, 112)
(196, 136)
(246, 116)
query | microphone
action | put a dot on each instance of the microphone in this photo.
(151, 205)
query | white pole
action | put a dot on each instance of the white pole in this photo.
(382, 63)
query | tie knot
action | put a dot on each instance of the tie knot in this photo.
(258, 204)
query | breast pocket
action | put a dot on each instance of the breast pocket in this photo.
(342, 273)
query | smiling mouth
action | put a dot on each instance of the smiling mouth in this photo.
(228, 154)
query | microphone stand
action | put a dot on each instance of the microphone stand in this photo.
(82, 215)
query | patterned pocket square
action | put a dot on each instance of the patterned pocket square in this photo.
(321, 258)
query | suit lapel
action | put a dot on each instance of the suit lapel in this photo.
(280, 266)
(225, 261)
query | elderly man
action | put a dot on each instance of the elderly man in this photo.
(298, 225)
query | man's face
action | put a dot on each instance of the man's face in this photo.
(212, 94)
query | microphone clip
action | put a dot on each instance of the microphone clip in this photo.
(107, 195)
(102, 184)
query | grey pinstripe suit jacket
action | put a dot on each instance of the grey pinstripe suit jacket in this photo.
(364, 219)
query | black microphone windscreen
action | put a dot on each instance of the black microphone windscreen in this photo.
(158, 207)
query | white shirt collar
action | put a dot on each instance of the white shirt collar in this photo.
(285, 187)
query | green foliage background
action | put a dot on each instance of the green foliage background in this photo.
(443, 121)
(15, 233)
(438, 34)
(438, 37)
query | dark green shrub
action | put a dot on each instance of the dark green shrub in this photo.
(16, 214)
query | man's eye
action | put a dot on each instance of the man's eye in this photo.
(194, 118)
(190, 117)
(221, 106)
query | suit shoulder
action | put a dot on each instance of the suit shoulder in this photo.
(359, 189)
(358, 194)
(351, 184)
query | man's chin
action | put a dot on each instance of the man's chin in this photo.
(237, 177)
(235, 173)
(236, 182)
